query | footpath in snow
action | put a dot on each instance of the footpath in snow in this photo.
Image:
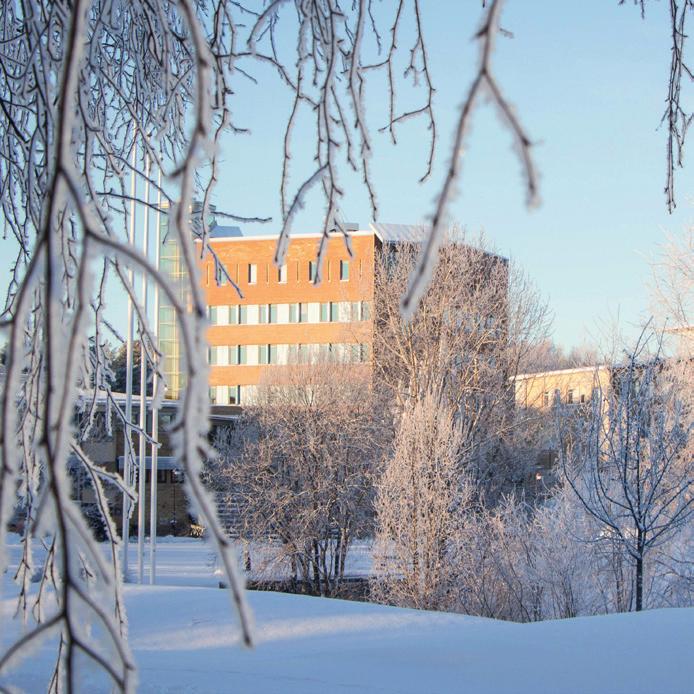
(185, 639)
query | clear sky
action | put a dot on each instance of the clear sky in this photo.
(588, 81)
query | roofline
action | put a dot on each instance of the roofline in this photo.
(577, 369)
(273, 237)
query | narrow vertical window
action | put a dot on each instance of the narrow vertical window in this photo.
(311, 271)
(272, 313)
(282, 274)
(272, 354)
(303, 313)
(344, 270)
(293, 313)
(243, 315)
(262, 313)
(252, 273)
(233, 395)
(325, 312)
(262, 354)
(243, 354)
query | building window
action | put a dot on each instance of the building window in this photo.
(243, 354)
(212, 314)
(582, 398)
(364, 349)
(325, 312)
(344, 270)
(233, 315)
(243, 315)
(262, 313)
(365, 310)
(232, 395)
(570, 397)
(233, 355)
(262, 354)
(252, 273)
(334, 311)
(213, 395)
(272, 354)
(272, 313)
(545, 398)
(312, 270)
(355, 311)
(282, 274)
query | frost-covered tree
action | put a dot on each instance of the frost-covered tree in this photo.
(465, 342)
(631, 463)
(421, 501)
(299, 467)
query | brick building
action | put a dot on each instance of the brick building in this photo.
(268, 317)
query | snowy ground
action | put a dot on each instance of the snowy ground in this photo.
(185, 640)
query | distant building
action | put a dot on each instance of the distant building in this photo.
(105, 446)
(544, 391)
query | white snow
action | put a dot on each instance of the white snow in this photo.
(185, 640)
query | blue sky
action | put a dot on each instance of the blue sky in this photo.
(588, 81)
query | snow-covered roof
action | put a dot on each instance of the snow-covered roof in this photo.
(400, 233)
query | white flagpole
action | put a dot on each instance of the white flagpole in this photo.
(155, 409)
(127, 432)
(143, 393)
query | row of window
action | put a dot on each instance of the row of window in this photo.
(572, 397)
(312, 312)
(255, 355)
(242, 395)
(252, 273)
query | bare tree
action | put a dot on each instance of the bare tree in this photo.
(299, 469)
(632, 466)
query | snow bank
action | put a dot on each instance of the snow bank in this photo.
(185, 640)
